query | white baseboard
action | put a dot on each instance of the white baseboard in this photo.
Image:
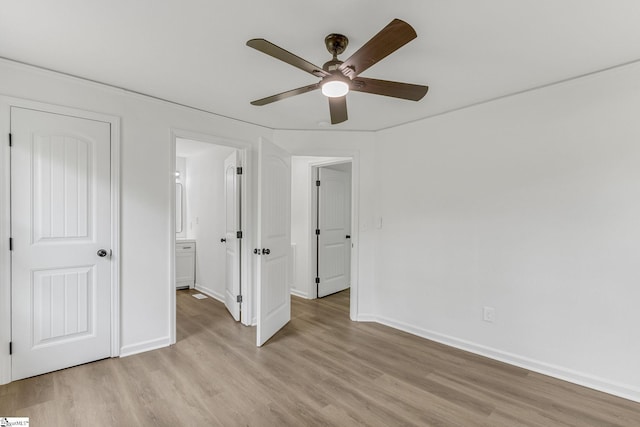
(300, 294)
(210, 292)
(625, 391)
(131, 349)
(365, 317)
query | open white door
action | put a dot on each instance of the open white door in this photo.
(61, 229)
(334, 225)
(274, 240)
(232, 208)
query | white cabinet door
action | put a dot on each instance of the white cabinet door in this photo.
(334, 223)
(274, 233)
(232, 209)
(185, 265)
(61, 219)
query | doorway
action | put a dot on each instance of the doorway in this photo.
(322, 224)
(208, 226)
(263, 196)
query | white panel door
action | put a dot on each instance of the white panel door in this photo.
(274, 240)
(232, 208)
(60, 220)
(334, 223)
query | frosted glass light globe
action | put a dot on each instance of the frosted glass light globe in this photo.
(335, 88)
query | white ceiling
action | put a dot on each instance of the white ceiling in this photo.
(193, 52)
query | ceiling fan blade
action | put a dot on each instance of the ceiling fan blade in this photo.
(287, 94)
(391, 38)
(388, 88)
(277, 52)
(338, 109)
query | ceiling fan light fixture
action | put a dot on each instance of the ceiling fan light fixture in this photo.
(335, 88)
(338, 77)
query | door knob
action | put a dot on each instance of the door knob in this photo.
(266, 251)
(102, 252)
(223, 240)
(348, 236)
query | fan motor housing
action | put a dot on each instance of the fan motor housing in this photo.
(331, 65)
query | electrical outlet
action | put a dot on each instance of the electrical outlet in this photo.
(488, 314)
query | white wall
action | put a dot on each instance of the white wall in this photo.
(206, 217)
(147, 159)
(300, 211)
(531, 205)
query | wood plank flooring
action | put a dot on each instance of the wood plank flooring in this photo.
(320, 370)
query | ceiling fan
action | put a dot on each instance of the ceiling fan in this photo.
(337, 77)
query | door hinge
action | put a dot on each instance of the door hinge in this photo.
(239, 234)
(10, 141)
(10, 243)
(317, 231)
(318, 183)
(317, 280)
(239, 298)
(239, 170)
(10, 347)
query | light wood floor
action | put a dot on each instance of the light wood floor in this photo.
(322, 369)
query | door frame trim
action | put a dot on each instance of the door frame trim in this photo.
(6, 102)
(245, 150)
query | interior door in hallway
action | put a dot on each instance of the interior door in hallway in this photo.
(274, 244)
(61, 230)
(232, 242)
(333, 225)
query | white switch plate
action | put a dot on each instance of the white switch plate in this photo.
(488, 314)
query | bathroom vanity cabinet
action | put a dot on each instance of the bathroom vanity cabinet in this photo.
(185, 263)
